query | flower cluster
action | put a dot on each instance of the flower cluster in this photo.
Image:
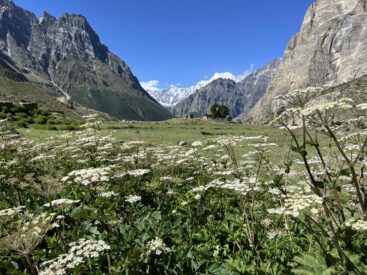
(357, 224)
(298, 200)
(9, 213)
(234, 140)
(276, 234)
(157, 247)
(78, 254)
(137, 173)
(91, 121)
(237, 186)
(25, 234)
(107, 194)
(61, 203)
(88, 176)
(133, 199)
(362, 106)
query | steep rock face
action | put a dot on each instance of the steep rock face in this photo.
(14, 87)
(65, 56)
(240, 97)
(254, 86)
(222, 91)
(330, 49)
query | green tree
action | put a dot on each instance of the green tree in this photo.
(219, 111)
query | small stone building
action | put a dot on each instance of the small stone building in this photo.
(29, 106)
(7, 104)
(189, 116)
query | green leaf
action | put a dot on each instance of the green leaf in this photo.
(312, 264)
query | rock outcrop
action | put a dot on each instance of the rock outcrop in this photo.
(330, 49)
(65, 57)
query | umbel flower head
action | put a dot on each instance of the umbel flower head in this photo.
(61, 203)
(133, 199)
(88, 176)
(25, 234)
(298, 200)
(319, 114)
(80, 252)
(157, 247)
(357, 224)
(9, 213)
(300, 98)
(45, 185)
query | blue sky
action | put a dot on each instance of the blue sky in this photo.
(185, 41)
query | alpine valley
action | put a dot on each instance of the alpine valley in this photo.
(64, 57)
(263, 173)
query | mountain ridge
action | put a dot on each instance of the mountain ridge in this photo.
(238, 96)
(172, 95)
(66, 57)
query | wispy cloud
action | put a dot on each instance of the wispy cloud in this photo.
(151, 85)
(154, 85)
(246, 73)
(228, 75)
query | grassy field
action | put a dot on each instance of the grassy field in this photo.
(168, 133)
(233, 199)
(173, 132)
(180, 130)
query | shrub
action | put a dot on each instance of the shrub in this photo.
(68, 128)
(51, 121)
(9, 117)
(22, 123)
(52, 127)
(40, 119)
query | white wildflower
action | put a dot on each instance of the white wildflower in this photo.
(107, 194)
(61, 203)
(138, 172)
(276, 234)
(133, 199)
(266, 222)
(11, 212)
(197, 144)
(78, 254)
(357, 224)
(197, 197)
(362, 106)
(157, 247)
(88, 176)
(296, 201)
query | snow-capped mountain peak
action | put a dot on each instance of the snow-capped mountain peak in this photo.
(172, 95)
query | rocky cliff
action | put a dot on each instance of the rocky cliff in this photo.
(330, 49)
(240, 97)
(65, 57)
(255, 85)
